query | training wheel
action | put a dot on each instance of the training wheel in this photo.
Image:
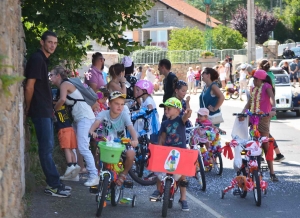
(133, 203)
(222, 194)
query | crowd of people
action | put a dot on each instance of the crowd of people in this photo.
(125, 91)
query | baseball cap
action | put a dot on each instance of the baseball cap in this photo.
(203, 111)
(172, 102)
(260, 74)
(116, 94)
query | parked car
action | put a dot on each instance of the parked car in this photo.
(296, 50)
(285, 99)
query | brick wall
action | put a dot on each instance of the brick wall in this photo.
(12, 185)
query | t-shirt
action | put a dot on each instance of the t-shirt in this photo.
(114, 127)
(272, 76)
(293, 66)
(62, 119)
(190, 76)
(41, 102)
(175, 132)
(197, 75)
(96, 77)
(138, 75)
(168, 86)
(243, 75)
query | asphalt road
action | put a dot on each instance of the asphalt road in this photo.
(282, 199)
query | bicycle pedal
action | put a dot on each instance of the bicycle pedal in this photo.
(128, 184)
(236, 192)
(94, 189)
(155, 200)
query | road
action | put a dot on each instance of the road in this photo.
(282, 199)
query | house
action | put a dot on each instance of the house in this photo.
(165, 16)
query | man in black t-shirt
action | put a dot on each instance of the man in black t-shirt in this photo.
(38, 99)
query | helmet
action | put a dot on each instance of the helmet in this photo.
(145, 84)
(243, 66)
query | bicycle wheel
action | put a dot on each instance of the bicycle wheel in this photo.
(256, 188)
(103, 187)
(218, 163)
(227, 95)
(148, 178)
(243, 193)
(166, 197)
(115, 192)
(200, 174)
(235, 95)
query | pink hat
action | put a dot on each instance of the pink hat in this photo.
(203, 111)
(260, 74)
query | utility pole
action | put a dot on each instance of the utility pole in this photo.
(251, 51)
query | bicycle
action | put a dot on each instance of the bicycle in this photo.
(110, 167)
(138, 172)
(231, 92)
(249, 173)
(183, 164)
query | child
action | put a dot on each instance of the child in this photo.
(103, 95)
(172, 133)
(68, 142)
(143, 90)
(114, 121)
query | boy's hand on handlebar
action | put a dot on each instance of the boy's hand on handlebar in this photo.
(93, 134)
(134, 143)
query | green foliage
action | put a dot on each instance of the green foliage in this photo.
(205, 54)
(186, 39)
(77, 21)
(281, 32)
(227, 38)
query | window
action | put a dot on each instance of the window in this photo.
(160, 17)
(159, 36)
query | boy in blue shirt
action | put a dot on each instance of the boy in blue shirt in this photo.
(172, 133)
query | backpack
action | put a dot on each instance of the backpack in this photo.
(90, 97)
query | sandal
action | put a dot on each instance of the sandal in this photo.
(121, 179)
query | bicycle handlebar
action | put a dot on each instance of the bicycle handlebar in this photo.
(252, 114)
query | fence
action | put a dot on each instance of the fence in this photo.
(180, 56)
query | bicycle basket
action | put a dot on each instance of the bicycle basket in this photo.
(110, 152)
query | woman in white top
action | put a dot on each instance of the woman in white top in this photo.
(190, 77)
(222, 74)
(83, 117)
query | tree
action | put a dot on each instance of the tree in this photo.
(76, 21)
(186, 39)
(264, 23)
(227, 38)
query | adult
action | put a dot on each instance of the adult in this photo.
(190, 78)
(286, 67)
(118, 80)
(230, 71)
(150, 75)
(243, 80)
(265, 65)
(275, 64)
(298, 72)
(94, 78)
(227, 70)
(83, 117)
(139, 73)
(130, 82)
(197, 79)
(262, 99)
(211, 96)
(164, 68)
(222, 74)
(38, 100)
(293, 71)
(288, 54)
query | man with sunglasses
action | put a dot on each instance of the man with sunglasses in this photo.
(94, 77)
(38, 100)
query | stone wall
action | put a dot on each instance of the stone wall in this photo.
(12, 185)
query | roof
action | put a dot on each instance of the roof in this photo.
(190, 11)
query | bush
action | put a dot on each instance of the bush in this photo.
(227, 38)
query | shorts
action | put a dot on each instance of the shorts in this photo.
(264, 125)
(197, 83)
(293, 76)
(67, 138)
(222, 76)
(127, 148)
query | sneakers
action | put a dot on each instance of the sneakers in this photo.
(92, 181)
(279, 158)
(70, 178)
(57, 192)
(63, 187)
(69, 170)
(273, 178)
(155, 195)
(184, 205)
